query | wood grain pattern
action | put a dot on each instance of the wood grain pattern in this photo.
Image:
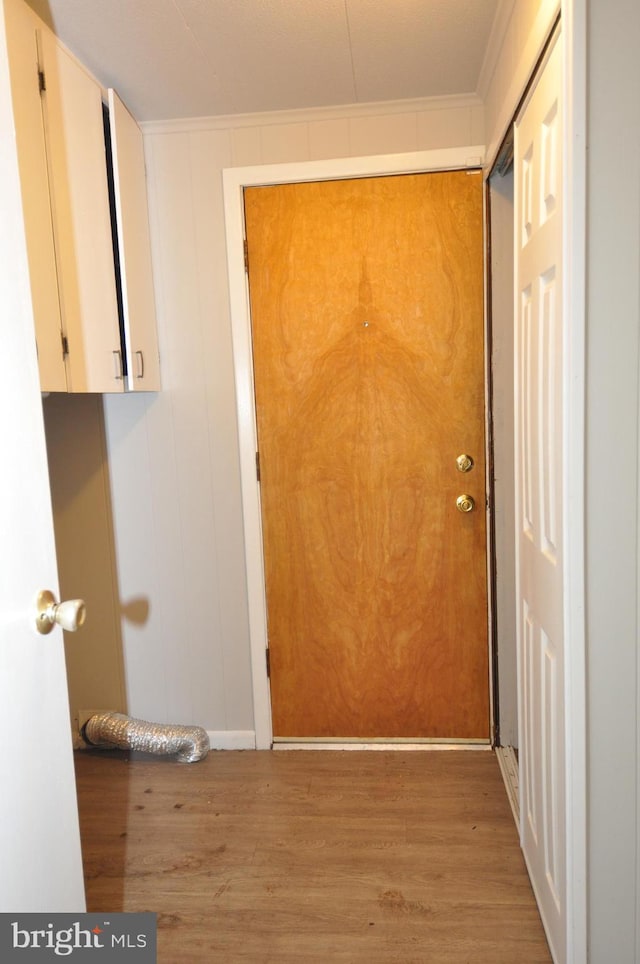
(311, 857)
(367, 317)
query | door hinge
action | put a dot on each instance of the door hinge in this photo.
(246, 255)
(65, 344)
(258, 466)
(42, 84)
(268, 658)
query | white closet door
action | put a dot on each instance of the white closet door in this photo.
(539, 509)
(134, 247)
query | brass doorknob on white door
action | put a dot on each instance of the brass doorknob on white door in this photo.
(465, 503)
(70, 614)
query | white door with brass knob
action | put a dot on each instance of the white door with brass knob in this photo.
(39, 834)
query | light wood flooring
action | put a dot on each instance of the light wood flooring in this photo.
(311, 856)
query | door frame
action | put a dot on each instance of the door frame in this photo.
(234, 182)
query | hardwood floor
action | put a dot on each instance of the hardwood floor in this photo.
(311, 856)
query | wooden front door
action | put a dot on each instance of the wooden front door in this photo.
(367, 318)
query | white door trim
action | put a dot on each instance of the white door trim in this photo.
(234, 181)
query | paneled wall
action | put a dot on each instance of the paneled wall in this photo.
(173, 457)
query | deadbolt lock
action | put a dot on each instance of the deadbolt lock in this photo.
(464, 463)
(465, 503)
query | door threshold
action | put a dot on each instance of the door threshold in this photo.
(508, 763)
(404, 745)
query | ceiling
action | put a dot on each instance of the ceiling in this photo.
(190, 58)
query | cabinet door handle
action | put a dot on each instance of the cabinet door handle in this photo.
(140, 358)
(117, 358)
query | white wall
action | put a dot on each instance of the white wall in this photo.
(173, 457)
(79, 480)
(518, 36)
(613, 356)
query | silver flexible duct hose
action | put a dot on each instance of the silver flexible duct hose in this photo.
(117, 731)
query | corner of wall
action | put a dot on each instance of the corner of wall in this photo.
(510, 60)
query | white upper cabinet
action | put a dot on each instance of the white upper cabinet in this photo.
(134, 249)
(87, 245)
(32, 160)
(74, 136)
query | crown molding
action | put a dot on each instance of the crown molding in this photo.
(499, 27)
(309, 115)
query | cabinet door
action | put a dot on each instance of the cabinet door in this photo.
(32, 161)
(134, 249)
(74, 135)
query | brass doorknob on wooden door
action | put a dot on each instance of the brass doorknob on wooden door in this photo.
(465, 503)
(464, 463)
(70, 614)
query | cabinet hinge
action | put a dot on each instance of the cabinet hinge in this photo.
(268, 658)
(246, 255)
(258, 466)
(65, 344)
(42, 84)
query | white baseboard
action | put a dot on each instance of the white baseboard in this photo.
(395, 746)
(508, 762)
(232, 739)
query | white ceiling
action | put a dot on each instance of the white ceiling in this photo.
(190, 58)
